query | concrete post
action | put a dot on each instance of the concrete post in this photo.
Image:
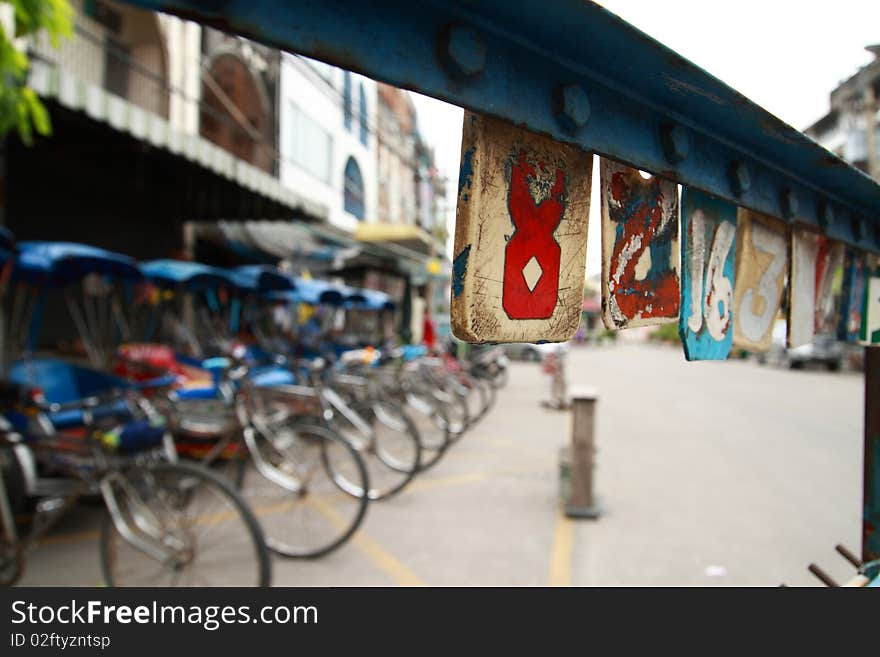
(581, 502)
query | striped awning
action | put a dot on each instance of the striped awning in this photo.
(73, 93)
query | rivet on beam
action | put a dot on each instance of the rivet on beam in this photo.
(461, 51)
(789, 203)
(740, 178)
(826, 216)
(676, 142)
(571, 106)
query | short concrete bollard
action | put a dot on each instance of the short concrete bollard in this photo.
(577, 461)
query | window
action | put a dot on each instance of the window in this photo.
(117, 58)
(354, 189)
(308, 144)
(346, 98)
(363, 113)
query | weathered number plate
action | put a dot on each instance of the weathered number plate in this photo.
(814, 261)
(520, 235)
(708, 227)
(640, 253)
(761, 260)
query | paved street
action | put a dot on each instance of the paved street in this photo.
(710, 474)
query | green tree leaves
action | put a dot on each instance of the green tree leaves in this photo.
(20, 108)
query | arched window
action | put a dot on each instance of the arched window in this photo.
(354, 189)
(346, 99)
(363, 113)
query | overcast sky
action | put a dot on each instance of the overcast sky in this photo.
(786, 56)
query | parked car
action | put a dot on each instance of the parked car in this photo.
(824, 351)
(533, 352)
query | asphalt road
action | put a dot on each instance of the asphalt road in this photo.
(708, 473)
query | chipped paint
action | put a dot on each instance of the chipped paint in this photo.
(707, 276)
(815, 261)
(524, 218)
(761, 262)
(829, 285)
(640, 284)
(535, 217)
(466, 172)
(802, 278)
(459, 267)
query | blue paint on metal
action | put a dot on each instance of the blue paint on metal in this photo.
(700, 344)
(459, 267)
(572, 107)
(466, 172)
(635, 86)
(465, 51)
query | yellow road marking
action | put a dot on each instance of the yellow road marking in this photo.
(284, 505)
(561, 552)
(447, 481)
(72, 537)
(384, 560)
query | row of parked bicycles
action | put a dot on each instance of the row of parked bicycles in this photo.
(219, 415)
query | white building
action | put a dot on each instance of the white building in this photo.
(326, 138)
(851, 127)
(150, 59)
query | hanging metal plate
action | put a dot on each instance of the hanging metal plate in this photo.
(708, 227)
(521, 235)
(761, 262)
(640, 252)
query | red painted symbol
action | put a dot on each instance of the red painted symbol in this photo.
(531, 258)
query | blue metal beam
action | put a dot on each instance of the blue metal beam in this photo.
(572, 70)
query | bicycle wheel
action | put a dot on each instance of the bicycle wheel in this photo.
(500, 377)
(489, 393)
(11, 563)
(430, 421)
(308, 486)
(387, 441)
(455, 412)
(184, 526)
(476, 397)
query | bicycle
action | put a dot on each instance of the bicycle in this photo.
(160, 513)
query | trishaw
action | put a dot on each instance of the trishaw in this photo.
(70, 431)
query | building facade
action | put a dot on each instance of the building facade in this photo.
(326, 138)
(851, 127)
(129, 156)
(214, 147)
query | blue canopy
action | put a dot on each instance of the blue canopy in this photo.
(264, 278)
(353, 296)
(311, 291)
(192, 276)
(60, 263)
(316, 292)
(364, 299)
